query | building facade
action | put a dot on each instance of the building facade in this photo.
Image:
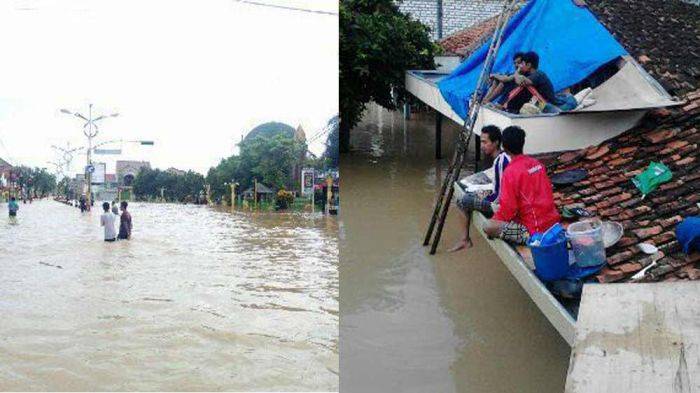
(445, 17)
(127, 171)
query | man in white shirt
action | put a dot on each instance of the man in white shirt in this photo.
(107, 221)
(482, 201)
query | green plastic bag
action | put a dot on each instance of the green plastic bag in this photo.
(655, 175)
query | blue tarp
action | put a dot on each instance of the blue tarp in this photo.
(569, 40)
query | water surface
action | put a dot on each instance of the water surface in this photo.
(199, 299)
(412, 322)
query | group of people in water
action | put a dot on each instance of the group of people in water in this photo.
(108, 218)
(529, 90)
(521, 202)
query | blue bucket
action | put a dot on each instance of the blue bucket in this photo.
(551, 261)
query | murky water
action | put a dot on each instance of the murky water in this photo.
(412, 322)
(199, 299)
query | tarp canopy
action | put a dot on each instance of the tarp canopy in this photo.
(569, 40)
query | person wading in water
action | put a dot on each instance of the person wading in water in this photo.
(107, 221)
(124, 223)
(12, 207)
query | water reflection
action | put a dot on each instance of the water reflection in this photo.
(199, 299)
(418, 323)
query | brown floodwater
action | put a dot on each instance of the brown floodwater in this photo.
(199, 299)
(412, 322)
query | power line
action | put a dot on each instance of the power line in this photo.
(319, 134)
(284, 7)
(7, 151)
(325, 131)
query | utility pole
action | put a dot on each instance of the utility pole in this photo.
(233, 193)
(89, 167)
(255, 194)
(90, 130)
(329, 193)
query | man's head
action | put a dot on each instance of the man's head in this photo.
(513, 140)
(490, 140)
(13, 199)
(529, 62)
(517, 58)
(123, 205)
(105, 206)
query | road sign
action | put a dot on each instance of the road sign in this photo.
(90, 168)
(108, 151)
(307, 181)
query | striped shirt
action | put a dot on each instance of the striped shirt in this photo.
(499, 165)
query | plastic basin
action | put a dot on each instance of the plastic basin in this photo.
(586, 239)
(552, 261)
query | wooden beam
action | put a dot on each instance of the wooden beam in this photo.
(438, 135)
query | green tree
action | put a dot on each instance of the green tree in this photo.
(35, 181)
(331, 154)
(219, 176)
(177, 187)
(269, 157)
(63, 187)
(43, 182)
(378, 44)
(270, 160)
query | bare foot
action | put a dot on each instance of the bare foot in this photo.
(463, 244)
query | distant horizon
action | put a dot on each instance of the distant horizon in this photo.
(96, 160)
(194, 91)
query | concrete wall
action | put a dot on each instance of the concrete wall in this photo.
(456, 14)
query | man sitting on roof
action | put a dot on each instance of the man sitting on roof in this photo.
(526, 204)
(502, 85)
(481, 200)
(533, 82)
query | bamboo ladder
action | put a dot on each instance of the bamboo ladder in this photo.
(442, 205)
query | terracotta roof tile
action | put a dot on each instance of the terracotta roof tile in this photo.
(465, 41)
(671, 136)
(663, 35)
(608, 275)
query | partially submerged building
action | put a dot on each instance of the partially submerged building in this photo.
(126, 174)
(262, 193)
(642, 62)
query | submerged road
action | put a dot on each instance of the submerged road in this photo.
(412, 322)
(199, 299)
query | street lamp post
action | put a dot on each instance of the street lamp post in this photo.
(233, 193)
(90, 130)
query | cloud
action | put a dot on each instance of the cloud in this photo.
(192, 75)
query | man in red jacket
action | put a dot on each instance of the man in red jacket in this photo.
(526, 204)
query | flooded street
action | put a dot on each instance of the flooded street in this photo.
(199, 299)
(412, 322)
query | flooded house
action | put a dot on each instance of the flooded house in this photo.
(261, 191)
(648, 109)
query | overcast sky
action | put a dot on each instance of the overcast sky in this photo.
(192, 75)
